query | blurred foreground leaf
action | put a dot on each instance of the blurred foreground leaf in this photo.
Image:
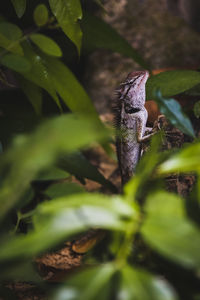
(186, 160)
(60, 218)
(167, 229)
(89, 284)
(138, 284)
(30, 154)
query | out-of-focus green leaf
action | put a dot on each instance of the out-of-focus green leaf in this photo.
(67, 13)
(78, 165)
(35, 152)
(23, 271)
(173, 111)
(187, 160)
(138, 284)
(167, 230)
(88, 284)
(11, 46)
(39, 73)
(171, 83)
(16, 62)
(57, 219)
(52, 173)
(62, 189)
(69, 89)
(197, 109)
(98, 34)
(41, 15)
(11, 31)
(19, 6)
(46, 44)
(33, 93)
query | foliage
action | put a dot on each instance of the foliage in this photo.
(149, 239)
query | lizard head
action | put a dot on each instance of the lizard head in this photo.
(132, 91)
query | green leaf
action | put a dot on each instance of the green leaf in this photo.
(39, 73)
(173, 111)
(78, 165)
(33, 153)
(16, 62)
(33, 93)
(168, 231)
(46, 44)
(88, 284)
(41, 15)
(98, 34)
(63, 189)
(171, 83)
(138, 284)
(69, 89)
(187, 160)
(67, 13)
(19, 6)
(57, 219)
(52, 173)
(11, 31)
(10, 35)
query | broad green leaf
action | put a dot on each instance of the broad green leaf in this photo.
(39, 73)
(11, 31)
(173, 111)
(69, 89)
(41, 15)
(19, 6)
(167, 230)
(63, 189)
(88, 284)
(67, 13)
(138, 284)
(78, 165)
(33, 93)
(186, 160)
(33, 153)
(171, 83)
(16, 62)
(54, 222)
(86, 203)
(98, 34)
(11, 46)
(52, 173)
(46, 44)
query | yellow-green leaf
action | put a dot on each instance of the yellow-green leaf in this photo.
(46, 44)
(67, 13)
(16, 62)
(41, 15)
(19, 6)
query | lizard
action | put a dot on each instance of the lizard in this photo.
(131, 118)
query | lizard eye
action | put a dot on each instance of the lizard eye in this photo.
(131, 110)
